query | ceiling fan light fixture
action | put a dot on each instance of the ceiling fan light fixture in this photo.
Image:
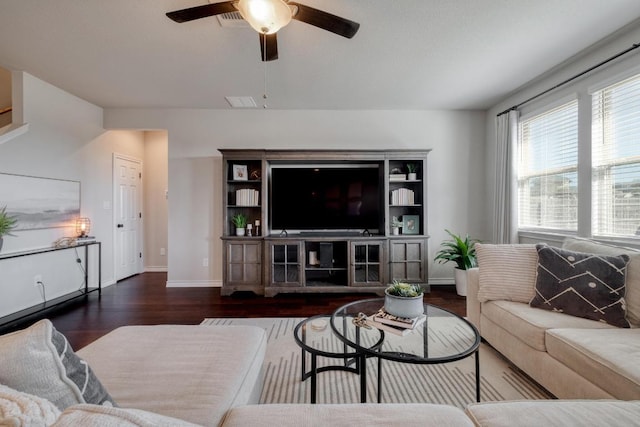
(265, 16)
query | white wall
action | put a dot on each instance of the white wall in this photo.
(456, 168)
(156, 183)
(5, 96)
(65, 140)
(618, 42)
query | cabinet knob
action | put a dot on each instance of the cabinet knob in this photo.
(120, 225)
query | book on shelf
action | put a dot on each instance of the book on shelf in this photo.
(402, 196)
(86, 239)
(396, 330)
(403, 322)
(397, 177)
(247, 197)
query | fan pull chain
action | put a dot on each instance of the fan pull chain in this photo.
(264, 94)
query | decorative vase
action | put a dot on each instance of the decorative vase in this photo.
(395, 231)
(413, 176)
(461, 282)
(403, 306)
(240, 231)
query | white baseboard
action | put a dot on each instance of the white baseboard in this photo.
(155, 269)
(194, 283)
(442, 281)
(108, 283)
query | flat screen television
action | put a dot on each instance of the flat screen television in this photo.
(318, 198)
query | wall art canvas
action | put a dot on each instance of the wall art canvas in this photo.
(40, 202)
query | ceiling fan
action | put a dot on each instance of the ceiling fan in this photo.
(269, 16)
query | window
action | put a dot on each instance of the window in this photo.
(615, 148)
(547, 169)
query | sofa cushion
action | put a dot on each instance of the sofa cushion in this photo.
(347, 415)
(608, 358)
(101, 416)
(190, 372)
(507, 272)
(529, 324)
(555, 413)
(19, 409)
(580, 284)
(39, 360)
(632, 294)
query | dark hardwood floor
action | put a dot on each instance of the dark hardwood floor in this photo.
(145, 300)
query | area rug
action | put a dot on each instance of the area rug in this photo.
(451, 383)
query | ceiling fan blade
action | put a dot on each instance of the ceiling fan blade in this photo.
(318, 18)
(204, 11)
(269, 47)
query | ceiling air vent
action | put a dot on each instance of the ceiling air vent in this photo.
(241, 101)
(232, 19)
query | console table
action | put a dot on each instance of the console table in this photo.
(14, 319)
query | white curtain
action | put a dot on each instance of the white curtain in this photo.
(505, 210)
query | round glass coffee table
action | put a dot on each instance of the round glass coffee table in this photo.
(443, 337)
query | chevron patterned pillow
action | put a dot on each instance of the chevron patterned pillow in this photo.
(582, 285)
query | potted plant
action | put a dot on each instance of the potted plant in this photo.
(7, 224)
(463, 253)
(412, 170)
(404, 299)
(395, 225)
(240, 222)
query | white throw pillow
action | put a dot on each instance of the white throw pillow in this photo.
(100, 416)
(19, 409)
(507, 272)
(632, 296)
(39, 360)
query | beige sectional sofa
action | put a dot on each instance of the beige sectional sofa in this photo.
(572, 357)
(163, 375)
(178, 375)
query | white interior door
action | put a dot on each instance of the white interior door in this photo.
(128, 216)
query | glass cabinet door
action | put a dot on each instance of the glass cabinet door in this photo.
(367, 263)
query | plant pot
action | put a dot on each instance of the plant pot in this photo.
(412, 176)
(395, 231)
(461, 282)
(240, 231)
(403, 306)
(1, 241)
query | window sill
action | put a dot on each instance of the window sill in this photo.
(555, 238)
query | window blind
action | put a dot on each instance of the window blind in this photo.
(616, 159)
(547, 169)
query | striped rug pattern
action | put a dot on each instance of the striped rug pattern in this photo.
(450, 383)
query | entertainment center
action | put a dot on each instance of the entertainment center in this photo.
(324, 220)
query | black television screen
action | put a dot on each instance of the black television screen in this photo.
(325, 197)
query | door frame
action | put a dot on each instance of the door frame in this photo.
(114, 221)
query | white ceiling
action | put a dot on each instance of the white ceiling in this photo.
(408, 54)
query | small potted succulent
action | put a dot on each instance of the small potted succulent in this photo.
(404, 299)
(412, 170)
(7, 224)
(395, 225)
(240, 222)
